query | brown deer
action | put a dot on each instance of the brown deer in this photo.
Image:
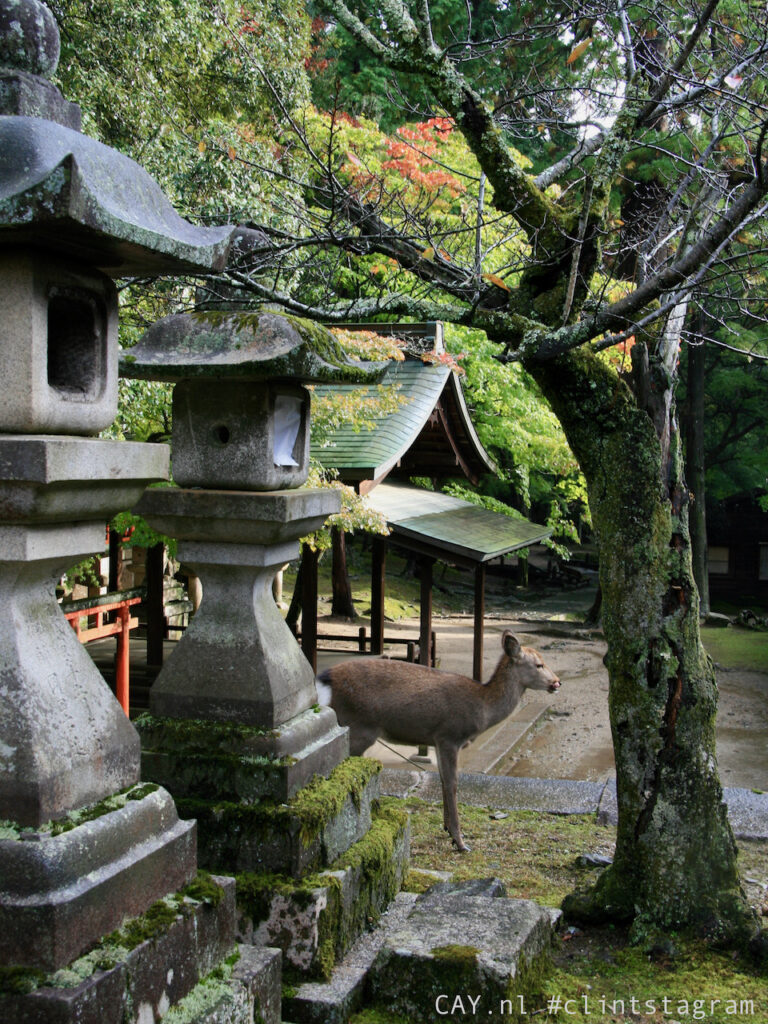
(407, 703)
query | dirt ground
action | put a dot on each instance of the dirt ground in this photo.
(572, 739)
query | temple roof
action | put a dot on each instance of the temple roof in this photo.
(429, 434)
(448, 528)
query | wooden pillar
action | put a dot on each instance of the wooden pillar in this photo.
(309, 560)
(378, 586)
(155, 617)
(477, 649)
(114, 561)
(425, 601)
(122, 659)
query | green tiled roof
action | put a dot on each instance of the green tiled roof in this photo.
(376, 449)
(441, 521)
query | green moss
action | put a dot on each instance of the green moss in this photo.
(737, 648)
(255, 890)
(114, 947)
(57, 827)
(139, 792)
(158, 918)
(161, 915)
(227, 828)
(457, 956)
(373, 1015)
(20, 980)
(197, 736)
(329, 932)
(232, 777)
(323, 799)
(526, 987)
(203, 889)
(373, 860)
(419, 881)
(212, 991)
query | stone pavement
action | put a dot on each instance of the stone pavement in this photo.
(747, 810)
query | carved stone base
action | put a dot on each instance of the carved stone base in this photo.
(240, 763)
(62, 892)
(238, 661)
(182, 956)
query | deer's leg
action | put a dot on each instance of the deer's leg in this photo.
(360, 739)
(447, 763)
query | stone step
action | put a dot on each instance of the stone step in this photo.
(316, 920)
(412, 966)
(333, 1001)
(308, 833)
(460, 953)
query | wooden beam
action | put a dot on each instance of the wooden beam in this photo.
(425, 612)
(155, 617)
(378, 589)
(477, 649)
(438, 431)
(309, 560)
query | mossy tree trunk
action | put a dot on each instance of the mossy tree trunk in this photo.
(675, 862)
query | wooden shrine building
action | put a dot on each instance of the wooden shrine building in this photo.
(430, 434)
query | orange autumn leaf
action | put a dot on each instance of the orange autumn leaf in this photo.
(495, 279)
(577, 51)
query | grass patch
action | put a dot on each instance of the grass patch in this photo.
(536, 855)
(601, 975)
(736, 648)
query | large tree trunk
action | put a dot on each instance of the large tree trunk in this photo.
(675, 862)
(696, 471)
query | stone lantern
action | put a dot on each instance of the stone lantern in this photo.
(81, 846)
(240, 449)
(234, 729)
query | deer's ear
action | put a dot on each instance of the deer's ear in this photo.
(511, 644)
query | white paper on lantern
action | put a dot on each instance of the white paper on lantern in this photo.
(287, 423)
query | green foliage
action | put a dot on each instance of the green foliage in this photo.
(186, 120)
(521, 433)
(346, 76)
(735, 416)
(84, 573)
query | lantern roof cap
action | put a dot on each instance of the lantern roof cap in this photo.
(254, 345)
(76, 197)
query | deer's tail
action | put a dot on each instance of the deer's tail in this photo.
(324, 692)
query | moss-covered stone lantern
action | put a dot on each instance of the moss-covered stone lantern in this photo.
(240, 449)
(234, 729)
(240, 407)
